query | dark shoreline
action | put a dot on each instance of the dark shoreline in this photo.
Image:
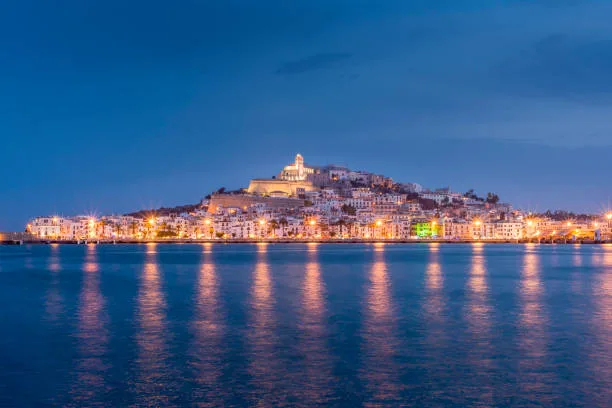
(286, 241)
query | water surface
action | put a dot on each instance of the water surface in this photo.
(306, 325)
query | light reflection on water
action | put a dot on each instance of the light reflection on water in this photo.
(263, 360)
(315, 379)
(92, 365)
(209, 330)
(54, 308)
(380, 343)
(152, 361)
(312, 325)
(533, 337)
(478, 316)
(600, 356)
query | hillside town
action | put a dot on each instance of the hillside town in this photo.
(306, 202)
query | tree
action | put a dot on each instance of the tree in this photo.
(470, 194)
(492, 198)
(349, 209)
(283, 224)
(273, 226)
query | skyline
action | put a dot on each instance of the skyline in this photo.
(116, 107)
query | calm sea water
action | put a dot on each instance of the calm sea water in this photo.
(306, 325)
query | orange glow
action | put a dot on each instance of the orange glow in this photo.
(313, 222)
(207, 221)
(378, 223)
(262, 222)
(609, 215)
(569, 224)
(596, 224)
(434, 223)
(151, 221)
(477, 222)
(530, 223)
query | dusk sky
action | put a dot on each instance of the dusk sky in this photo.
(113, 106)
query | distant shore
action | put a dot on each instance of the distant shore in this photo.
(298, 241)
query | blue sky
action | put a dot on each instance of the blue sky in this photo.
(114, 106)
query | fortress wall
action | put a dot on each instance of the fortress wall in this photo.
(243, 200)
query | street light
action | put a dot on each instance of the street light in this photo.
(313, 222)
(477, 223)
(609, 215)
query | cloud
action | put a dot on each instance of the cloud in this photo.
(312, 63)
(562, 65)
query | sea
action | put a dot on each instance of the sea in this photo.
(306, 325)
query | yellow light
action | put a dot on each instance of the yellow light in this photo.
(569, 224)
(207, 221)
(313, 222)
(262, 222)
(55, 220)
(151, 221)
(596, 224)
(433, 223)
(378, 223)
(477, 222)
(530, 223)
(609, 215)
(91, 221)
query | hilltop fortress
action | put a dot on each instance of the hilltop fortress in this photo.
(293, 181)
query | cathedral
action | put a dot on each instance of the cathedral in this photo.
(292, 181)
(296, 171)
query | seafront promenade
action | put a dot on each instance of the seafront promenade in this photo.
(34, 241)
